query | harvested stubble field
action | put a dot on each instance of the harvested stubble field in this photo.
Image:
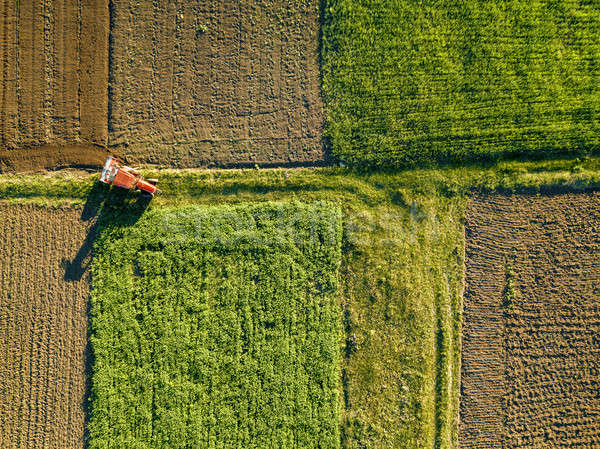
(44, 290)
(53, 76)
(216, 83)
(531, 352)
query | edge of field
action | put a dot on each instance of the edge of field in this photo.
(402, 270)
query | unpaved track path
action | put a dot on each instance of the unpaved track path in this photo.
(43, 326)
(531, 348)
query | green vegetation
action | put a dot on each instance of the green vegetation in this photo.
(400, 276)
(412, 82)
(218, 327)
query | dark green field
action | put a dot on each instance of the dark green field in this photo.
(218, 327)
(412, 82)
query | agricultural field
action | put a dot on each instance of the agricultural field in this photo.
(436, 293)
(399, 280)
(216, 83)
(408, 83)
(400, 277)
(44, 292)
(218, 327)
(53, 74)
(531, 353)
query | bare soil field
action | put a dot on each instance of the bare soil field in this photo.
(216, 83)
(52, 157)
(531, 348)
(53, 73)
(44, 292)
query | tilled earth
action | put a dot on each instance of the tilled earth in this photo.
(216, 83)
(53, 73)
(52, 157)
(44, 290)
(531, 348)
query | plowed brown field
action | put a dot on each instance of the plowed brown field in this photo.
(531, 349)
(216, 82)
(43, 327)
(53, 73)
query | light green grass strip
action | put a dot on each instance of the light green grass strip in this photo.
(218, 327)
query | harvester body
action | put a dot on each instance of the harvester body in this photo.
(120, 175)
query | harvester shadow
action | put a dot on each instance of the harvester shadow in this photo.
(76, 268)
(103, 206)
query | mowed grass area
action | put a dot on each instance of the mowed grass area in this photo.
(400, 275)
(412, 82)
(218, 327)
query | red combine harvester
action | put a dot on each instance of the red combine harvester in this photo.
(120, 175)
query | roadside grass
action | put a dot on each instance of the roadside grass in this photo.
(217, 327)
(407, 82)
(401, 272)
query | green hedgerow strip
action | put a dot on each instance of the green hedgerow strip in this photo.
(218, 327)
(409, 82)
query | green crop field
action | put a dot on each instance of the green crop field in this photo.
(412, 82)
(218, 327)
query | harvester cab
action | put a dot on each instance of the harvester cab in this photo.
(120, 175)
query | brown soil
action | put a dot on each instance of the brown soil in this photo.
(44, 290)
(53, 72)
(531, 349)
(216, 83)
(51, 157)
